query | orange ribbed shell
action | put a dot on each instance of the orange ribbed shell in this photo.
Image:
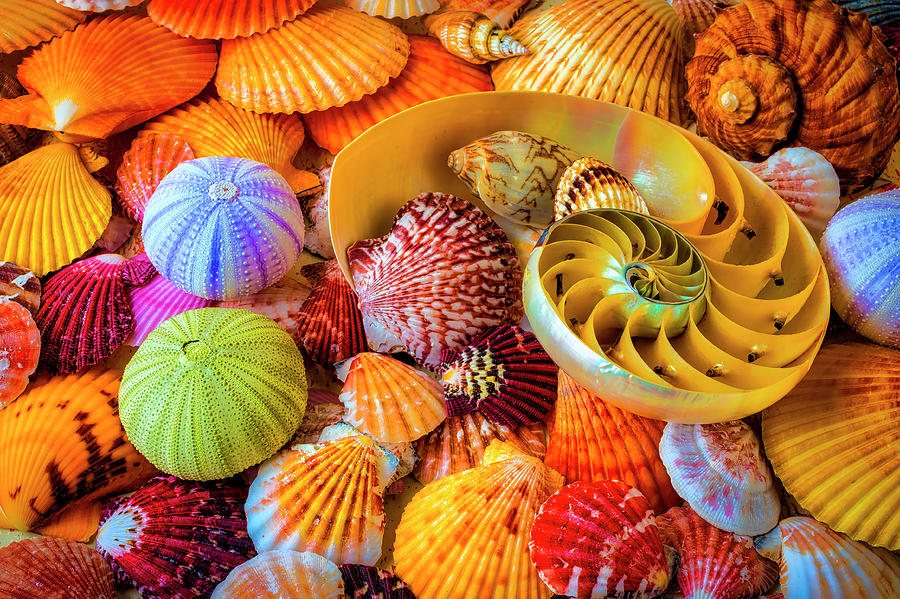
(224, 19)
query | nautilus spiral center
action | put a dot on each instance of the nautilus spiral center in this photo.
(223, 190)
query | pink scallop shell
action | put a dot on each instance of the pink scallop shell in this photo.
(155, 302)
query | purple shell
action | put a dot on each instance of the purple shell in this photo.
(366, 582)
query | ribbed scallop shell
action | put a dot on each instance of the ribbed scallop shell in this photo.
(502, 12)
(174, 539)
(224, 19)
(278, 574)
(472, 36)
(143, 168)
(99, 5)
(593, 440)
(861, 250)
(51, 209)
(430, 73)
(629, 52)
(444, 272)
(803, 73)
(20, 349)
(223, 227)
(63, 442)
(30, 22)
(281, 302)
(834, 441)
(212, 127)
(15, 141)
(324, 498)
(817, 562)
(212, 392)
(721, 472)
(108, 75)
(337, 53)
(20, 285)
(713, 562)
(54, 569)
(880, 12)
(390, 401)
(475, 524)
(389, 9)
(155, 302)
(697, 15)
(591, 183)
(598, 539)
(364, 582)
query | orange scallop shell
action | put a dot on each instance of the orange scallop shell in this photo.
(20, 349)
(30, 22)
(143, 167)
(501, 12)
(224, 19)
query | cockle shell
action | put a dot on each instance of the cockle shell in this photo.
(20, 285)
(515, 174)
(721, 472)
(697, 15)
(281, 574)
(754, 90)
(445, 272)
(63, 442)
(143, 168)
(880, 12)
(591, 540)
(223, 228)
(328, 56)
(629, 52)
(213, 391)
(15, 141)
(20, 349)
(224, 19)
(591, 183)
(282, 302)
(91, 83)
(501, 12)
(475, 524)
(389, 9)
(54, 569)
(834, 441)
(30, 22)
(365, 582)
(99, 5)
(472, 36)
(174, 538)
(861, 251)
(155, 302)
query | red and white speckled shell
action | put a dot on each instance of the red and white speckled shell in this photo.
(445, 272)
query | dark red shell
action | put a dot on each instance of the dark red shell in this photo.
(47, 568)
(366, 582)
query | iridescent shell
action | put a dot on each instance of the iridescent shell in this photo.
(598, 539)
(472, 36)
(99, 5)
(630, 52)
(20, 349)
(30, 22)
(85, 315)
(324, 498)
(91, 83)
(834, 441)
(817, 562)
(880, 12)
(317, 238)
(502, 12)
(63, 442)
(20, 285)
(697, 15)
(591, 439)
(223, 228)
(459, 276)
(389, 9)
(15, 141)
(758, 81)
(173, 538)
(279, 574)
(713, 562)
(213, 391)
(591, 183)
(143, 168)
(155, 302)
(224, 19)
(475, 524)
(281, 302)
(721, 472)
(515, 174)
(365, 582)
(328, 56)
(504, 373)
(861, 251)
(54, 569)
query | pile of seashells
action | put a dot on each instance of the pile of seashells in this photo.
(666, 369)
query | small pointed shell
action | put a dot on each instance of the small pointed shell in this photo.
(473, 37)
(143, 168)
(54, 569)
(281, 574)
(591, 183)
(30, 22)
(20, 285)
(20, 349)
(389, 9)
(224, 19)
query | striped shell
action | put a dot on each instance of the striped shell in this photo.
(20, 349)
(697, 15)
(390, 9)
(279, 574)
(224, 19)
(144, 166)
(880, 12)
(99, 5)
(20, 285)
(472, 36)
(155, 302)
(591, 183)
(15, 141)
(502, 12)
(30, 22)
(54, 569)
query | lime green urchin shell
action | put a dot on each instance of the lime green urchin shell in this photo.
(212, 392)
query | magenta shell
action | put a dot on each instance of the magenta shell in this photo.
(155, 302)
(366, 582)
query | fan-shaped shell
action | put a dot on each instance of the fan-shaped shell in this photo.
(224, 19)
(472, 36)
(278, 574)
(629, 52)
(880, 12)
(63, 442)
(591, 183)
(15, 141)
(389, 9)
(326, 57)
(51, 209)
(93, 82)
(223, 228)
(502, 12)
(213, 391)
(721, 472)
(444, 272)
(281, 302)
(143, 168)
(99, 5)
(20, 349)
(54, 569)
(754, 89)
(155, 302)
(861, 250)
(598, 539)
(430, 73)
(364, 582)
(20, 285)
(30, 22)
(834, 441)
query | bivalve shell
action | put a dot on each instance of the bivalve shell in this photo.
(54, 569)
(224, 19)
(281, 574)
(143, 168)
(20, 349)
(30, 22)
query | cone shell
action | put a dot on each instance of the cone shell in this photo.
(472, 36)
(444, 272)
(92, 83)
(341, 54)
(54, 569)
(99, 5)
(364, 582)
(721, 472)
(324, 498)
(591, 183)
(30, 22)
(714, 563)
(143, 168)
(15, 141)
(63, 443)
(598, 539)
(880, 12)
(591, 440)
(49, 199)
(502, 12)
(835, 441)
(20, 349)
(475, 523)
(389, 9)
(697, 15)
(155, 302)
(174, 538)
(280, 573)
(228, 19)
(629, 52)
(212, 127)
(281, 302)
(430, 73)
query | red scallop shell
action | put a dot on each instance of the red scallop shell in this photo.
(143, 168)
(20, 349)
(20, 285)
(366, 582)
(49, 568)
